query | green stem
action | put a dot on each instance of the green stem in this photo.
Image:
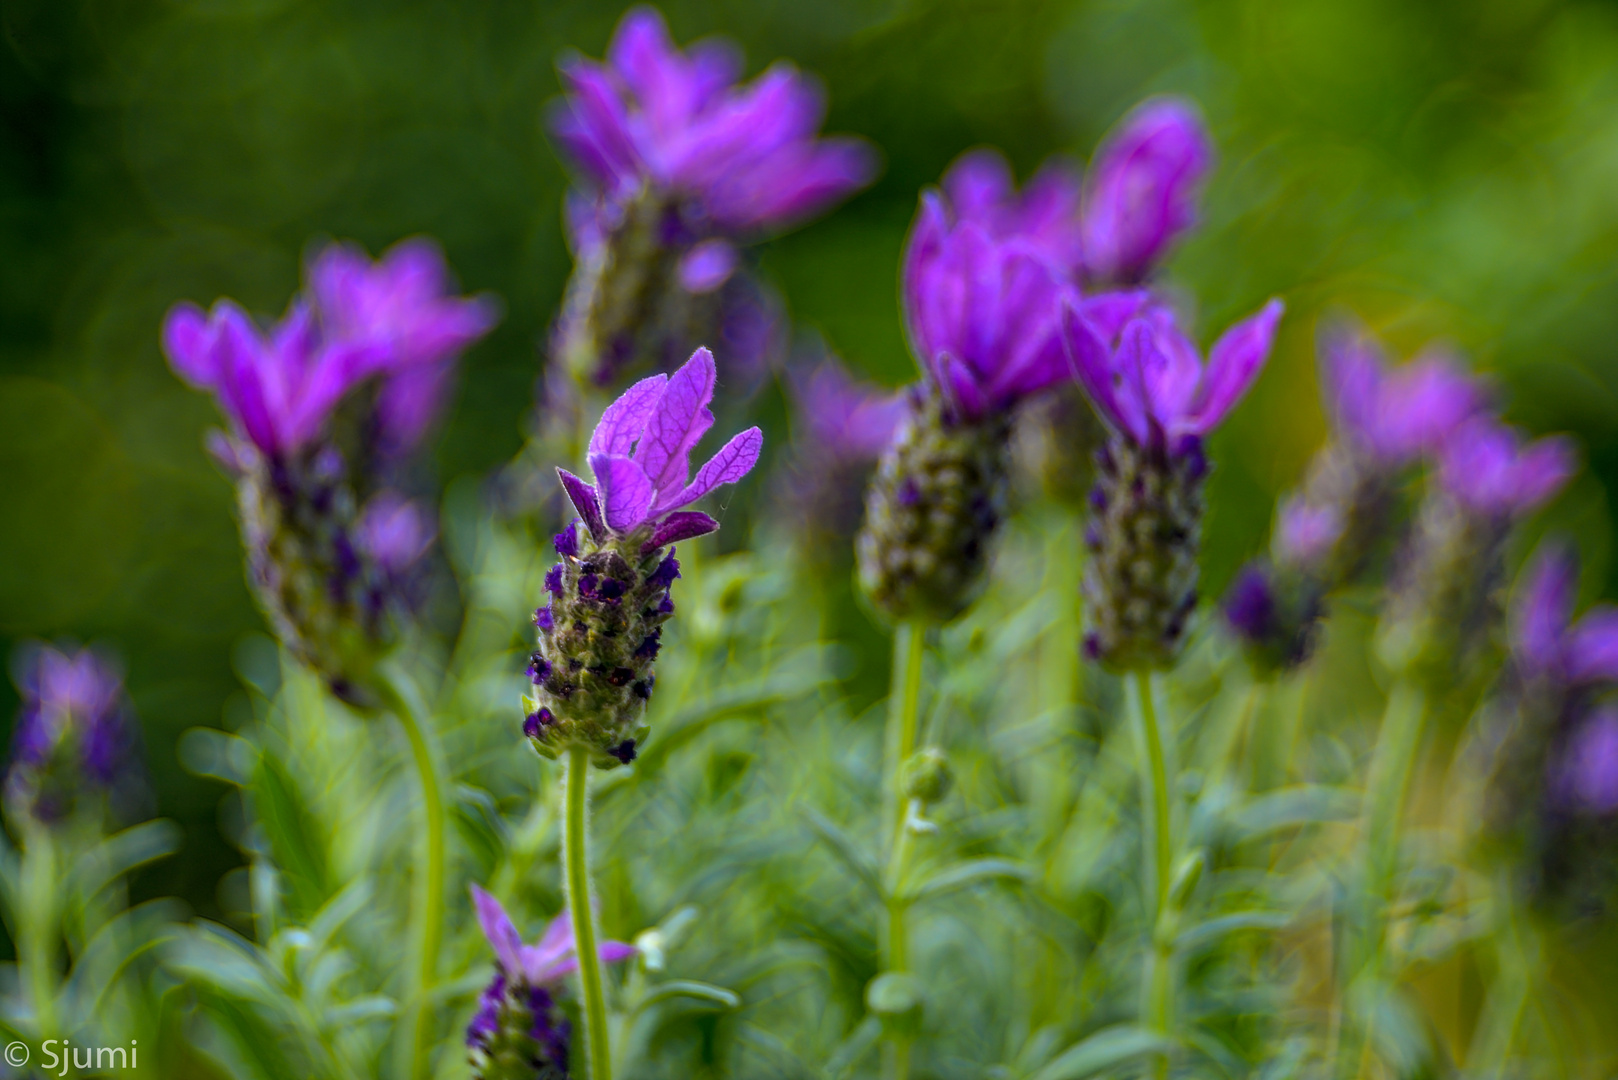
(1158, 982)
(1509, 996)
(37, 942)
(576, 858)
(1387, 787)
(428, 905)
(904, 708)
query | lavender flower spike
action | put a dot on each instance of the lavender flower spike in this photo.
(1159, 400)
(1141, 194)
(520, 1031)
(73, 738)
(600, 634)
(679, 167)
(1445, 603)
(1546, 644)
(398, 306)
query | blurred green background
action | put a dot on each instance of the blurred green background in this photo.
(1447, 169)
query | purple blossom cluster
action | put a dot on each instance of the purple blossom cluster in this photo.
(73, 740)
(322, 407)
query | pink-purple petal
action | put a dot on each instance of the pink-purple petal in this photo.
(680, 525)
(679, 420)
(1593, 650)
(625, 419)
(584, 500)
(186, 342)
(1233, 365)
(499, 929)
(626, 491)
(733, 461)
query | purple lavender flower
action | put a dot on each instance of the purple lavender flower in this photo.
(1152, 387)
(308, 448)
(599, 636)
(520, 1023)
(1546, 643)
(679, 166)
(1141, 194)
(1393, 416)
(1588, 780)
(398, 307)
(1486, 467)
(745, 158)
(1045, 214)
(1152, 390)
(73, 737)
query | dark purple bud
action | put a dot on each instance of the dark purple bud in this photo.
(667, 606)
(539, 668)
(666, 571)
(909, 493)
(537, 722)
(587, 584)
(1098, 499)
(1092, 536)
(553, 580)
(567, 541)
(620, 676)
(611, 589)
(643, 689)
(1092, 647)
(648, 648)
(624, 751)
(1250, 604)
(544, 620)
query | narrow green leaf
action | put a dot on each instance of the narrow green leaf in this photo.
(847, 852)
(1291, 807)
(850, 1050)
(715, 996)
(123, 852)
(293, 831)
(962, 874)
(1209, 933)
(1106, 1049)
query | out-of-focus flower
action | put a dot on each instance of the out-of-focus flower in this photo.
(399, 307)
(1545, 641)
(747, 158)
(600, 634)
(986, 275)
(73, 737)
(1141, 193)
(1488, 468)
(1589, 768)
(1384, 420)
(1151, 388)
(293, 396)
(680, 165)
(520, 1031)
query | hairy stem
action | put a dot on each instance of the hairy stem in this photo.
(576, 860)
(904, 700)
(1158, 841)
(428, 906)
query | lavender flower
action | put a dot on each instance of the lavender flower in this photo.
(600, 634)
(1159, 400)
(1548, 749)
(295, 400)
(679, 166)
(520, 1031)
(1445, 604)
(1141, 194)
(984, 288)
(842, 426)
(1384, 420)
(73, 739)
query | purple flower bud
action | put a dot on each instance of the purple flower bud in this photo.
(536, 722)
(624, 751)
(395, 532)
(1141, 194)
(567, 541)
(1487, 467)
(649, 647)
(539, 669)
(840, 418)
(72, 736)
(544, 620)
(1545, 641)
(553, 580)
(666, 571)
(744, 157)
(1588, 777)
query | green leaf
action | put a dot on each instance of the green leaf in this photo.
(962, 874)
(297, 845)
(348, 902)
(850, 1050)
(123, 852)
(1304, 804)
(1106, 1049)
(1209, 933)
(706, 993)
(115, 946)
(847, 852)
(480, 827)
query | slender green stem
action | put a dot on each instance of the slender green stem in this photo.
(904, 708)
(37, 942)
(1513, 983)
(1387, 787)
(576, 859)
(1158, 982)
(428, 908)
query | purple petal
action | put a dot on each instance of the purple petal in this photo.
(1351, 373)
(395, 531)
(187, 340)
(546, 960)
(1543, 607)
(1305, 534)
(625, 419)
(1593, 651)
(615, 952)
(959, 383)
(498, 928)
(1233, 364)
(1589, 768)
(1091, 363)
(923, 249)
(677, 423)
(680, 525)
(583, 498)
(733, 461)
(626, 491)
(707, 266)
(1107, 313)
(979, 184)
(1420, 404)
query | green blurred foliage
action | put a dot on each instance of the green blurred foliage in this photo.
(1447, 169)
